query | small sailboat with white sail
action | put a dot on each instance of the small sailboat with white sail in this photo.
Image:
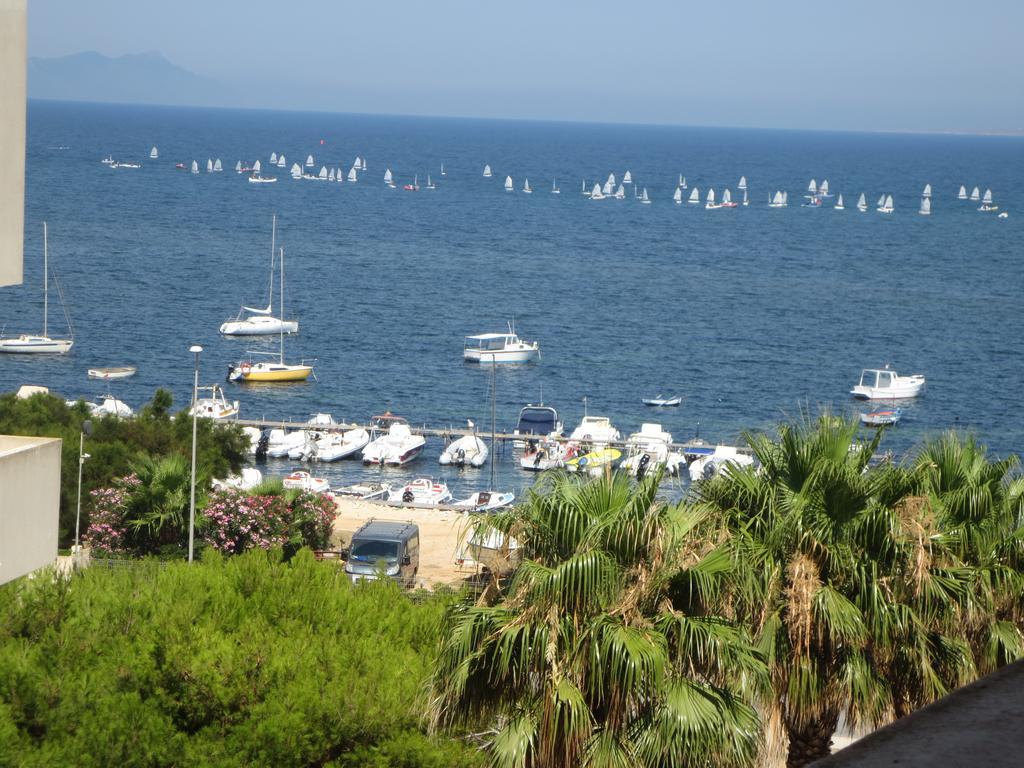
(352, 175)
(962, 195)
(694, 198)
(261, 321)
(508, 184)
(682, 181)
(627, 178)
(42, 344)
(443, 174)
(926, 206)
(296, 171)
(975, 195)
(608, 189)
(209, 165)
(839, 203)
(862, 203)
(986, 202)
(556, 191)
(596, 193)
(812, 188)
(309, 161)
(746, 202)
(273, 158)
(487, 171)
(823, 189)
(927, 191)
(218, 167)
(886, 205)
(195, 167)
(389, 179)
(710, 204)
(620, 193)
(430, 184)
(677, 196)
(727, 199)
(526, 187)
(238, 167)
(281, 161)
(323, 173)
(644, 199)
(330, 175)
(153, 154)
(743, 183)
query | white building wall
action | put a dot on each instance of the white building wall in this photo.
(29, 504)
(13, 63)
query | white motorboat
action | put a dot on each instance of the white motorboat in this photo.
(422, 491)
(41, 344)
(215, 406)
(485, 501)
(536, 421)
(260, 321)
(108, 405)
(249, 478)
(487, 171)
(301, 480)
(500, 348)
(105, 374)
(367, 491)
(596, 431)
(335, 446)
(281, 442)
(886, 384)
(662, 402)
(469, 450)
(546, 453)
(258, 179)
(713, 462)
(395, 448)
(650, 449)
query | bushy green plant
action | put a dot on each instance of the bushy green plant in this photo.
(249, 660)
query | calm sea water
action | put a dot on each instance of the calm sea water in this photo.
(753, 314)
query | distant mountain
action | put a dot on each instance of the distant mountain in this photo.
(143, 78)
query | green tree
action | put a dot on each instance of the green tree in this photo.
(584, 661)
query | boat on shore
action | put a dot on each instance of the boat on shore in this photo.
(484, 501)
(302, 480)
(423, 491)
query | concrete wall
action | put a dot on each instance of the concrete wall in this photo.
(29, 504)
(13, 65)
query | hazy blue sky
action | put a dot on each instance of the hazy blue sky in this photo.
(860, 64)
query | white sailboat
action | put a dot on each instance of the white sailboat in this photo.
(644, 199)
(261, 322)
(710, 204)
(281, 162)
(986, 202)
(812, 188)
(677, 196)
(388, 178)
(275, 371)
(881, 201)
(745, 200)
(556, 191)
(209, 165)
(339, 176)
(776, 201)
(238, 167)
(620, 193)
(682, 181)
(611, 180)
(975, 194)
(195, 167)
(256, 167)
(309, 161)
(32, 344)
(508, 184)
(743, 183)
(430, 184)
(352, 175)
(596, 193)
(586, 192)
(330, 175)
(360, 163)
(526, 187)
(926, 206)
(839, 203)
(323, 176)
(487, 171)
(823, 189)
(694, 196)
(727, 198)
(927, 191)
(608, 189)
(963, 193)
(862, 203)
(887, 206)
(627, 178)
(153, 154)
(442, 170)
(217, 167)
(296, 171)
(273, 158)
(785, 199)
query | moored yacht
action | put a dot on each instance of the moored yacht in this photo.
(215, 406)
(886, 384)
(500, 348)
(396, 447)
(261, 322)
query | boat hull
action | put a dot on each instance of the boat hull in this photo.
(106, 374)
(500, 356)
(275, 374)
(259, 327)
(36, 345)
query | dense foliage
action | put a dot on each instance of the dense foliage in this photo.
(242, 661)
(117, 444)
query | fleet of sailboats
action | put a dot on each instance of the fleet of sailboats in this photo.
(42, 344)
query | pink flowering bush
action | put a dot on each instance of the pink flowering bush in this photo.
(234, 521)
(106, 534)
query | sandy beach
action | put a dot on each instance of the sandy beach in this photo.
(440, 536)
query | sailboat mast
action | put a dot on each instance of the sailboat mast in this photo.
(282, 306)
(273, 250)
(46, 284)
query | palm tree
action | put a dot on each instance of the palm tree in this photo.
(158, 501)
(824, 578)
(584, 660)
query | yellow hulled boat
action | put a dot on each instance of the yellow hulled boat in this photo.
(269, 371)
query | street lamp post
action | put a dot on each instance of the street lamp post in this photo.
(195, 349)
(82, 456)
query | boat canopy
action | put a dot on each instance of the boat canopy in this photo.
(872, 377)
(489, 342)
(537, 420)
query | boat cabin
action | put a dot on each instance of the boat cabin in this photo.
(537, 420)
(877, 379)
(490, 342)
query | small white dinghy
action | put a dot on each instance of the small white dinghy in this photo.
(106, 374)
(484, 501)
(662, 402)
(335, 446)
(469, 450)
(422, 492)
(301, 480)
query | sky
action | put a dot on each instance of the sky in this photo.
(898, 65)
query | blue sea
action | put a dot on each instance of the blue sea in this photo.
(754, 315)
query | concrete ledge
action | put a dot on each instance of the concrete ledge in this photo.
(979, 724)
(29, 504)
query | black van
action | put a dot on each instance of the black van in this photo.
(388, 547)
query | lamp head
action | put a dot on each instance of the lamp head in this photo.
(195, 348)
